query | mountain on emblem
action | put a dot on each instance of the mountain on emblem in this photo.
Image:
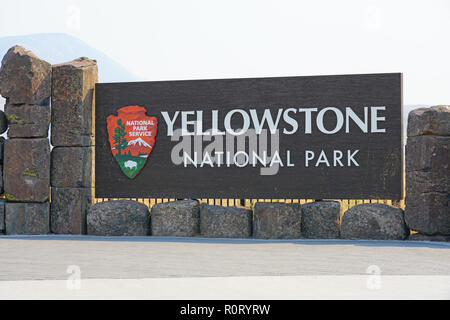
(132, 137)
(139, 142)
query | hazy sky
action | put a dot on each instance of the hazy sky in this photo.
(162, 40)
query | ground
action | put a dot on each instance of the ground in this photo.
(45, 266)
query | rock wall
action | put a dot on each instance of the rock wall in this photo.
(50, 191)
(29, 85)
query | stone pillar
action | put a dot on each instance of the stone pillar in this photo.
(427, 171)
(73, 86)
(27, 170)
(25, 82)
(2, 148)
(3, 128)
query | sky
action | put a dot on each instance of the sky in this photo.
(207, 39)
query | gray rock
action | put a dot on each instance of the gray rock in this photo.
(24, 78)
(277, 221)
(427, 184)
(428, 154)
(72, 100)
(71, 167)
(424, 237)
(418, 182)
(118, 218)
(2, 148)
(225, 222)
(27, 170)
(320, 220)
(3, 122)
(428, 213)
(374, 222)
(27, 121)
(2, 215)
(429, 121)
(176, 219)
(27, 218)
(68, 210)
(1, 180)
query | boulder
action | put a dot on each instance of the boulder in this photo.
(225, 222)
(24, 78)
(176, 219)
(3, 122)
(428, 213)
(27, 121)
(429, 121)
(72, 100)
(118, 218)
(424, 237)
(374, 222)
(27, 218)
(277, 221)
(320, 220)
(71, 167)
(68, 210)
(2, 216)
(27, 170)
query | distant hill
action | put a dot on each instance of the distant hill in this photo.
(59, 47)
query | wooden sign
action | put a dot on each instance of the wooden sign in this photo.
(322, 137)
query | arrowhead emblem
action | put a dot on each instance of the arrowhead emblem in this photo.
(132, 137)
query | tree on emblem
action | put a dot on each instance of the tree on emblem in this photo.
(119, 137)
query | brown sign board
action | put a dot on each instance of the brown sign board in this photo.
(315, 137)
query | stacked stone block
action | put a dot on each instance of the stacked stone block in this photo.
(427, 172)
(27, 218)
(3, 128)
(27, 121)
(25, 82)
(2, 216)
(72, 138)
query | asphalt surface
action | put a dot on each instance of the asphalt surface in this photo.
(51, 257)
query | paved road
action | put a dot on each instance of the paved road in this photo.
(48, 257)
(235, 288)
